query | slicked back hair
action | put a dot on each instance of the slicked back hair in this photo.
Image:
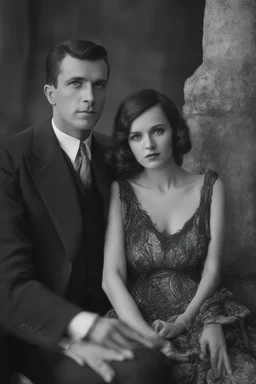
(79, 49)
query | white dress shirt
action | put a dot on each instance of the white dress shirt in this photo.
(71, 144)
(81, 323)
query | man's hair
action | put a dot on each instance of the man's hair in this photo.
(79, 49)
(121, 156)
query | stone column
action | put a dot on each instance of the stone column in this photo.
(220, 106)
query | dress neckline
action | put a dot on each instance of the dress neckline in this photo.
(164, 234)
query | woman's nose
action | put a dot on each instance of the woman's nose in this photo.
(149, 143)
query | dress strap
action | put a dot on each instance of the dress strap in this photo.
(127, 199)
(206, 198)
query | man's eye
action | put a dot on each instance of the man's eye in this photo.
(101, 85)
(75, 83)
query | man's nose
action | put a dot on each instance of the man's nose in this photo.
(88, 94)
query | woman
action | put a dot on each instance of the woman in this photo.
(164, 245)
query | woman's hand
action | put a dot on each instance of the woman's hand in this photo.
(171, 352)
(150, 334)
(169, 330)
(213, 346)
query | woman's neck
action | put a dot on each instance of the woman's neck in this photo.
(162, 178)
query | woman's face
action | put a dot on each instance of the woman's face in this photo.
(150, 138)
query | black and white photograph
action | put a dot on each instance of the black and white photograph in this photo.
(128, 192)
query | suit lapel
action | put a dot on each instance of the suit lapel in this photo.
(101, 174)
(56, 187)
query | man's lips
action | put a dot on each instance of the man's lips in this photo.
(152, 155)
(87, 112)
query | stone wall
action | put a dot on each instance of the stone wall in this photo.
(220, 105)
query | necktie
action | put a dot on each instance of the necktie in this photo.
(82, 165)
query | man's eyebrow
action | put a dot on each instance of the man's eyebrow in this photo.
(100, 80)
(80, 78)
(75, 78)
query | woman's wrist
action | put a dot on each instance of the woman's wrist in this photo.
(211, 323)
(184, 320)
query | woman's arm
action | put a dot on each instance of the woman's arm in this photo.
(114, 270)
(211, 272)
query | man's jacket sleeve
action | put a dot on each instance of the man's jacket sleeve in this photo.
(28, 309)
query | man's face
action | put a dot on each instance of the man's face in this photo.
(79, 96)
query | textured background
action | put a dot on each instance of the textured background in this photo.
(221, 111)
(153, 43)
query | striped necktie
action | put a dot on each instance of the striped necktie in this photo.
(82, 165)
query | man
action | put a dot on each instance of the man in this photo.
(54, 192)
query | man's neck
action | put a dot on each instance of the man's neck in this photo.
(81, 135)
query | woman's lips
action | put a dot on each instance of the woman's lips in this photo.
(152, 155)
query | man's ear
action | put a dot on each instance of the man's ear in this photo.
(49, 91)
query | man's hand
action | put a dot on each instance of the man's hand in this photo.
(171, 352)
(95, 356)
(118, 336)
(213, 346)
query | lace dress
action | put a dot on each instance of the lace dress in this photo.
(163, 275)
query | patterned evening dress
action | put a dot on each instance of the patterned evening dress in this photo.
(163, 275)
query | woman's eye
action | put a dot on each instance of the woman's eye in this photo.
(135, 137)
(158, 131)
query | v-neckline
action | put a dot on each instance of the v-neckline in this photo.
(164, 234)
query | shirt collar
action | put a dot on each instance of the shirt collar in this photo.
(70, 144)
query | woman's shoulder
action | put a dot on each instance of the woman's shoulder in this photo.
(198, 179)
(114, 189)
(213, 179)
(119, 187)
(129, 182)
(193, 180)
(211, 184)
(203, 182)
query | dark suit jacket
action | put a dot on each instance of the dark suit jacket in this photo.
(40, 229)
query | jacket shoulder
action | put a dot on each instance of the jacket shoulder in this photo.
(23, 141)
(20, 142)
(103, 139)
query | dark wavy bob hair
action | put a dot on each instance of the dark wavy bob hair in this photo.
(121, 156)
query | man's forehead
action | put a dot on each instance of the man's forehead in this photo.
(73, 67)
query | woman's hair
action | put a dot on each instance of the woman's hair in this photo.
(121, 156)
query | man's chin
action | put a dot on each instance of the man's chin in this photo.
(86, 124)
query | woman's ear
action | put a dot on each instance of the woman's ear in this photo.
(49, 91)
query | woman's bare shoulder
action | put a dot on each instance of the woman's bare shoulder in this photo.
(114, 189)
(193, 179)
